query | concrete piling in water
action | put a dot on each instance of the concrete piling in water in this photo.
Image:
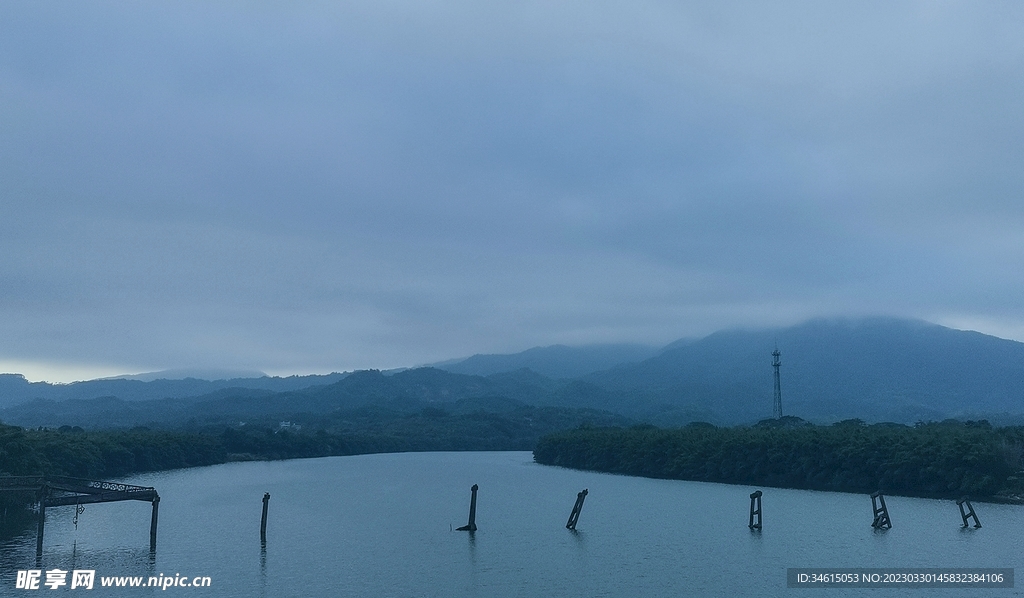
(967, 512)
(263, 519)
(575, 515)
(755, 511)
(471, 526)
(881, 512)
(152, 523)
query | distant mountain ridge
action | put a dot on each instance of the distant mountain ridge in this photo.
(408, 391)
(875, 369)
(555, 361)
(183, 374)
(871, 368)
(15, 389)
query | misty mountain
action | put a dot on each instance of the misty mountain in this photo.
(198, 374)
(876, 369)
(556, 361)
(15, 389)
(408, 391)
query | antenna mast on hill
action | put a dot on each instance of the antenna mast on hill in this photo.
(777, 409)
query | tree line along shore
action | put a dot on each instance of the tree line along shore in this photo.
(942, 460)
(949, 459)
(115, 453)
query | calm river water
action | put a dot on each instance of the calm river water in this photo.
(381, 525)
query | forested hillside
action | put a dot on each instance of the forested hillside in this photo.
(948, 460)
(876, 369)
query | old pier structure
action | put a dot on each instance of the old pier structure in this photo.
(59, 491)
(755, 511)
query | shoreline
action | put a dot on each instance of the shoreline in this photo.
(938, 461)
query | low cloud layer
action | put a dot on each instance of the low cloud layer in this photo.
(327, 187)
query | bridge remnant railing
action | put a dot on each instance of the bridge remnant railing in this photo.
(58, 491)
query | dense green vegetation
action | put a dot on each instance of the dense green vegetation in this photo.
(108, 454)
(73, 452)
(212, 436)
(478, 424)
(947, 460)
(111, 453)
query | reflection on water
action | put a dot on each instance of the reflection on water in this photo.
(382, 525)
(263, 569)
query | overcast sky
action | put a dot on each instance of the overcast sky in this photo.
(310, 187)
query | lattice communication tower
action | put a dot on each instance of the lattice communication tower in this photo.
(777, 409)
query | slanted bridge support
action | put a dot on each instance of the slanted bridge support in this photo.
(576, 509)
(881, 520)
(967, 512)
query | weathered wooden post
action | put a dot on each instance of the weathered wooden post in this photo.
(575, 515)
(755, 511)
(152, 523)
(881, 520)
(44, 490)
(471, 526)
(263, 519)
(968, 512)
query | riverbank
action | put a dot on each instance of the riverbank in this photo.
(936, 460)
(112, 453)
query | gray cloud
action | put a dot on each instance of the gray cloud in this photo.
(326, 186)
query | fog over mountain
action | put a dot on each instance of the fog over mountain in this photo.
(15, 389)
(198, 374)
(556, 361)
(876, 369)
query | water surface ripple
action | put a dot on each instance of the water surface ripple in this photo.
(381, 525)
